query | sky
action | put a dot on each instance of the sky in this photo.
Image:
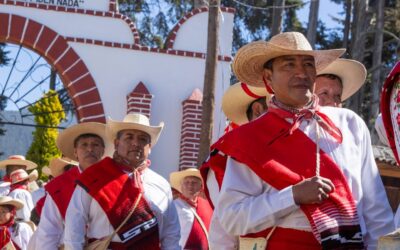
(327, 10)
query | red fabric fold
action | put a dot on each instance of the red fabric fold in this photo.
(197, 238)
(116, 194)
(288, 161)
(61, 189)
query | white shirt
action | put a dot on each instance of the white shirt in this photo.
(24, 234)
(186, 218)
(218, 238)
(49, 234)
(26, 197)
(4, 188)
(83, 210)
(37, 195)
(245, 208)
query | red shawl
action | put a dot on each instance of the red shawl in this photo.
(334, 222)
(61, 189)
(197, 238)
(116, 193)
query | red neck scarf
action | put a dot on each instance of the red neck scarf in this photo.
(188, 201)
(310, 111)
(19, 185)
(136, 172)
(5, 235)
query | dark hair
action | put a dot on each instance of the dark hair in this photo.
(249, 111)
(68, 167)
(268, 64)
(332, 77)
(87, 135)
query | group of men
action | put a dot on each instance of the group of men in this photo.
(295, 171)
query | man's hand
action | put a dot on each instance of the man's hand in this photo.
(312, 190)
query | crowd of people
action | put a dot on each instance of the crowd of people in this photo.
(294, 170)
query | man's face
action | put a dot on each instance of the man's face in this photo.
(12, 168)
(329, 91)
(133, 145)
(191, 186)
(292, 79)
(88, 151)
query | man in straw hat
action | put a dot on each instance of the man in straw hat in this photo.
(14, 234)
(296, 178)
(241, 103)
(121, 199)
(19, 190)
(83, 143)
(14, 162)
(340, 80)
(194, 212)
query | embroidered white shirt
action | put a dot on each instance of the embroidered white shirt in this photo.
(83, 210)
(247, 204)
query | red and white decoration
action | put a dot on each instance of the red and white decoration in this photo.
(190, 131)
(139, 100)
(98, 55)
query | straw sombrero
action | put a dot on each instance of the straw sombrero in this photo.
(56, 166)
(248, 64)
(237, 99)
(46, 171)
(175, 178)
(66, 138)
(18, 160)
(6, 200)
(133, 121)
(21, 175)
(351, 72)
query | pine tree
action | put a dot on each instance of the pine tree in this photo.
(48, 114)
(3, 62)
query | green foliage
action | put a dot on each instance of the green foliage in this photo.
(48, 113)
(4, 60)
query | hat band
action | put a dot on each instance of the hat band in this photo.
(248, 91)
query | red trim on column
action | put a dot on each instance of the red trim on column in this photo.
(112, 13)
(62, 57)
(169, 44)
(139, 100)
(135, 33)
(190, 130)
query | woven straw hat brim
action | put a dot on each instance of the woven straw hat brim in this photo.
(175, 178)
(57, 165)
(352, 73)
(113, 127)
(236, 101)
(46, 171)
(66, 138)
(6, 200)
(29, 164)
(248, 64)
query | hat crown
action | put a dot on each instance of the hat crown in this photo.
(291, 41)
(17, 175)
(137, 118)
(16, 157)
